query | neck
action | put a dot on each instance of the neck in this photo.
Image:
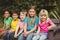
(15, 19)
(43, 21)
(6, 18)
(21, 20)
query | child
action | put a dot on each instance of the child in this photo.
(31, 22)
(14, 23)
(20, 26)
(7, 21)
(45, 24)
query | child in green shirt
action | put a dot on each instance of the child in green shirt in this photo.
(7, 21)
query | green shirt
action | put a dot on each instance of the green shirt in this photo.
(7, 21)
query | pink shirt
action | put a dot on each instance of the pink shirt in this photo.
(21, 24)
(44, 26)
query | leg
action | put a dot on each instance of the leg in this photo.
(36, 37)
(11, 36)
(6, 36)
(43, 36)
(21, 37)
(29, 37)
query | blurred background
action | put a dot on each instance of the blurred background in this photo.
(53, 7)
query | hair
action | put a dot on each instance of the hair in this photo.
(7, 11)
(32, 7)
(14, 12)
(44, 11)
(23, 12)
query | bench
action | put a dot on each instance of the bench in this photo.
(54, 34)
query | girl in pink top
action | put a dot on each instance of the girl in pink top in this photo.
(20, 25)
(44, 25)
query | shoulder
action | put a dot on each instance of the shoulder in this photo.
(49, 21)
(37, 18)
(10, 18)
(26, 18)
(18, 19)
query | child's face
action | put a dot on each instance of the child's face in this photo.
(43, 17)
(6, 14)
(22, 16)
(15, 16)
(32, 12)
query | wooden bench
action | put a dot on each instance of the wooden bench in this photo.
(53, 34)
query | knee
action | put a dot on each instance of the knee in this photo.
(5, 35)
(21, 36)
(43, 38)
(29, 37)
(33, 38)
(36, 37)
(11, 35)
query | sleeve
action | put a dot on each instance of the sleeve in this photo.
(10, 20)
(37, 20)
(26, 21)
(49, 22)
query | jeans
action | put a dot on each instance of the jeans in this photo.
(9, 36)
(29, 37)
(41, 36)
(6, 36)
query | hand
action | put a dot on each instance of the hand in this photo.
(36, 33)
(15, 36)
(26, 33)
(49, 28)
(10, 31)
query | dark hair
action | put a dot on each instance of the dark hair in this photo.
(14, 12)
(7, 10)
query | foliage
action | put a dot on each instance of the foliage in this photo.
(53, 6)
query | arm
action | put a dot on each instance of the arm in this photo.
(38, 30)
(52, 26)
(25, 26)
(3, 28)
(20, 32)
(4, 25)
(17, 30)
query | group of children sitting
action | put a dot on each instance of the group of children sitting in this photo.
(26, 25)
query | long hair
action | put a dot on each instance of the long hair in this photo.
(34, 18)
(44, 11)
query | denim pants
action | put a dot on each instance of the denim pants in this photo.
(6, 36)
(29, 37)
(41, 36)
(9, 36)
